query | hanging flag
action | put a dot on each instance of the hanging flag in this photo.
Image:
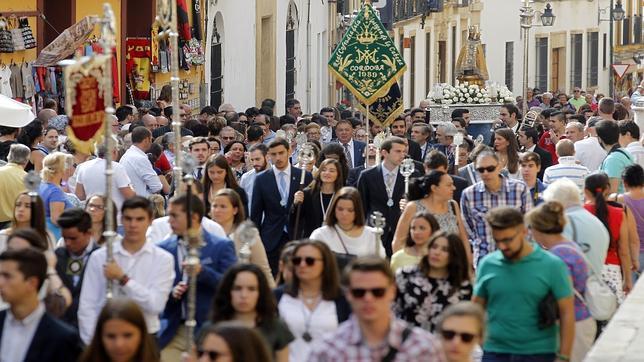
(366, 60)
(85, 87)
(385, 109)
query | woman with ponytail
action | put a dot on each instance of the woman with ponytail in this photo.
(432, 193)
(617, 267)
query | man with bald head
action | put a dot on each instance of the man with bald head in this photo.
(567, 167)
(150, 122)
(162, 121)
(45, 115)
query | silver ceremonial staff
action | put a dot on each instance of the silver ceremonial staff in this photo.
(167, 20)
(107, 41)
(193, 238)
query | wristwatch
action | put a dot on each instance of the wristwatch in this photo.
(124, 279)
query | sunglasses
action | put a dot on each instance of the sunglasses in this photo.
(486, 169)
(309, 260)
(465, 337)
(213, 355)
(361, 292)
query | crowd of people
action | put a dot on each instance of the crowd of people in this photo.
(485, 254)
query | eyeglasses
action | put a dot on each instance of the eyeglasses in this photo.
(213, 355)
(361, 292)
(309, 260)
(488, 169)
(94, 206)
(228, 138)
(465, 337)
(507, 240)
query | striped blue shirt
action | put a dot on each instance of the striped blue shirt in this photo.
(567, 168)
(476, 201)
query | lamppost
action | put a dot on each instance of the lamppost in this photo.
(527, 16)
(616, 14)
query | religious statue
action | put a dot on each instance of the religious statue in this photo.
(470, 66)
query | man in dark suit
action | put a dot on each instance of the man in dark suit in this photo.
(382, 187)
(528, 139)
(272, 199)
(399, 128)
(354, 173)
(27, 332)
(216, 255)
(76, 228)
(353, 149)
(437, 161)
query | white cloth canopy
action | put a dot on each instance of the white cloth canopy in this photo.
(14, 113)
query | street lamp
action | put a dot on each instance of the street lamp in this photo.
(616, 14)
(526, 17)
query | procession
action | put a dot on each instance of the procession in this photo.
(404, 187)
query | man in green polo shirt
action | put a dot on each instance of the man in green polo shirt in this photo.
(511, 282)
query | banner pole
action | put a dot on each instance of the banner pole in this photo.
(366, 159)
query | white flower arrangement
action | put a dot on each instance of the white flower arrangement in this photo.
(469, 94)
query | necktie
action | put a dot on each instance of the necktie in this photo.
(199, 172)
(391, 180)
(348, 154)
(283, 188)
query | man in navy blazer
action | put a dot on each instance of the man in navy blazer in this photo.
(272, 199)
(216, 255)
(377, 195)
(27, 332)
(352, 148)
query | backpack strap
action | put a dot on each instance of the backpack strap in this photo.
(391, 355)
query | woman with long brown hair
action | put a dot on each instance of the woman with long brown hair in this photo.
(22, 215)
(96, 207)
(121, 335)
(506, 147)
(312, 304)
(218, 175)
(227, 210)
(440, 279)
(344, 229)
(315, 200)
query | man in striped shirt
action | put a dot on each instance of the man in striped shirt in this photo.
(492, 191)
(567, 166)
(629, 137)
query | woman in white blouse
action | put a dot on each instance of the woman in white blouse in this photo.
(344, 229)
(312, 305)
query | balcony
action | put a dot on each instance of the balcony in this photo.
(407, 9)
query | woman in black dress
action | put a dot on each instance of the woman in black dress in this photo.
(439, 280)
(316, 198)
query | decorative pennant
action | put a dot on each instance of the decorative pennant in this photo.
(385, 109)
(366, 60)
(85, 86)
(137, 66)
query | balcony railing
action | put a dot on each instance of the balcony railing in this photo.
(407, 9)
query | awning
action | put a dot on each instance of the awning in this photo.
(14, 113)
(66, 43)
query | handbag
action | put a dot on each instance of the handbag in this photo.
(342, 258)
(598, 298)
(27, 33)
(548, 311)
(6, 39)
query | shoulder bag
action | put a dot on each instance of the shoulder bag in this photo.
(342, 258)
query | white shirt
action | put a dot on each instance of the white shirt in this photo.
(142, 175)
(567, 168)
(362, 245)
(161, 230)
(590, 153)
(18, 334)
(247, 182)
(277, 173)
(151, 273)
(91, 174)
(636, 149)
(322, 320)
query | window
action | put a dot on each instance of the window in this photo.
(626, 31)
(593, 59)
(428, 62)
(542, 63)
(453, 54)
(291, 25)
(509, 64)
(637, 29)
(604, 51)
(576, 47)
(412, 70)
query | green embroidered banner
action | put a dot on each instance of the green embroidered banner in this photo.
(385, 109)
(366, 60)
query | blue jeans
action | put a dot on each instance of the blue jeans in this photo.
(509, 357)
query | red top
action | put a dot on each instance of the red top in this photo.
(546, 143)
(615, 216)
(163, 164)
